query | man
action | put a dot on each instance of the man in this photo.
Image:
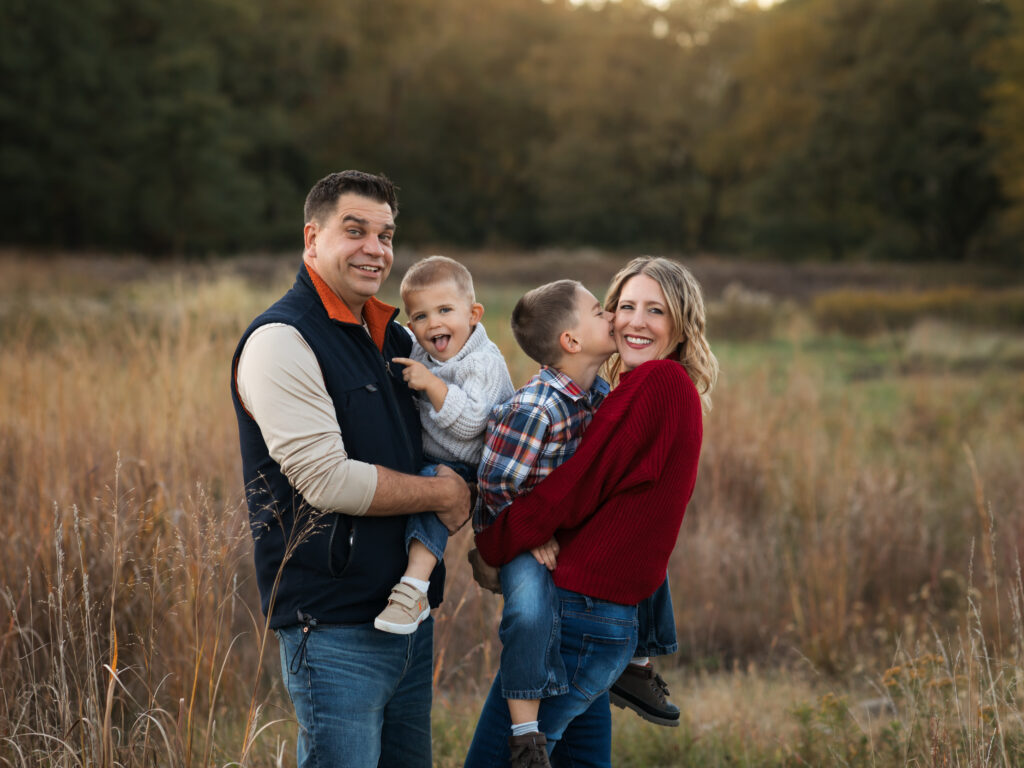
(330, 441)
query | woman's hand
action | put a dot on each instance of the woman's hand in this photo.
(547, 554)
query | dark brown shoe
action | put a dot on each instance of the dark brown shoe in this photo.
(528, 751)
(642, 690)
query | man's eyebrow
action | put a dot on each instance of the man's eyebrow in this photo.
(364, 222)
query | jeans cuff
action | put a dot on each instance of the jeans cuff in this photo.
(551, 689)
(656, 650)
(438, 553)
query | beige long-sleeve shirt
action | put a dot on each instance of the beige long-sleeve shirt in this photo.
(280, 383)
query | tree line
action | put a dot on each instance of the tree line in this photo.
(812, 129)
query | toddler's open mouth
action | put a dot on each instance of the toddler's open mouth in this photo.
(440, 342)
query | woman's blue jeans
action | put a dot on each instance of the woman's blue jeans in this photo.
(362, 697)
(531, 665)
(598, 639)
(425, 526)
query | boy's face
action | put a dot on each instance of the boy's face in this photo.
(593, 327)
(441, 318)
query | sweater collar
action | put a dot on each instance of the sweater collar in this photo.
(376, 313)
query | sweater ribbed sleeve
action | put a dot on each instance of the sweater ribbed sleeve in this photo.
(617, 504)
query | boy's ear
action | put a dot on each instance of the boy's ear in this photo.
(569, 343)
(476, 313)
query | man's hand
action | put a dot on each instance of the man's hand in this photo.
(546, 554)
(456, 510)
(419, 378)
(486, 575)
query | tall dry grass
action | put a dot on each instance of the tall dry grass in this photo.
(837, 523)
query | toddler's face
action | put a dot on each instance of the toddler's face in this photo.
(441, 318)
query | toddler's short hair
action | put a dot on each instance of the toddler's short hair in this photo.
(437, 269)
(541, 316)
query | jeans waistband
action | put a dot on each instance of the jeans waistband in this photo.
(585, 602)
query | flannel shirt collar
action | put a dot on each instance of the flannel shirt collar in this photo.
(559, 381)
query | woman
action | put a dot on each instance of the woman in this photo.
(615, 507)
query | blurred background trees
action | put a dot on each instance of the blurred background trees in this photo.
(834, 129)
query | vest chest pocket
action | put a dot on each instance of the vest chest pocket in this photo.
(362, 417)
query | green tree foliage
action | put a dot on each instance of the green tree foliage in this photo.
(1006, 122)
(831, 128)
(870, 128)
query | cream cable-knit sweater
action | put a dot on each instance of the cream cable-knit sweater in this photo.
(477, 378)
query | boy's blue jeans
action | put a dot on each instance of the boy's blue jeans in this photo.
(425, 526)
(531, 666)
(597, 641)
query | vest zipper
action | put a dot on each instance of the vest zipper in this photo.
(395, 410)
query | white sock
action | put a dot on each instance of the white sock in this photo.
(641, 661)
(420, 584)
(521, 728)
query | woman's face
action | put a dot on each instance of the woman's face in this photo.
(642, 326)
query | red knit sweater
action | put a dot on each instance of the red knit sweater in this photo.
(617, 504)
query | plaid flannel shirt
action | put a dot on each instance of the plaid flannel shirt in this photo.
(530, 435)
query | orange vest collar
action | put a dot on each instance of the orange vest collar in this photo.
(376, 313)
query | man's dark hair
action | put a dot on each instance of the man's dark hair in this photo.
(324, 195)
(541, 316)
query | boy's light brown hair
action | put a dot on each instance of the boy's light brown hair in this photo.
(437, 269)
(540, 317)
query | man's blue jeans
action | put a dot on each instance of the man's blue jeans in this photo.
(362, 697)
(598, 639)
(425, 526)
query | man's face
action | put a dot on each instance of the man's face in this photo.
(351, 248)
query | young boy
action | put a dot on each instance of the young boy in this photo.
(460, 375)
(565, 329)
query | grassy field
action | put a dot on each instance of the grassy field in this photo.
(846, 583)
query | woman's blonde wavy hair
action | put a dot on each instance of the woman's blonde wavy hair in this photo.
(686, 311)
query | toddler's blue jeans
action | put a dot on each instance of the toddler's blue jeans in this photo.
(425, 526)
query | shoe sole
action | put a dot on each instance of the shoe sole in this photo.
(400, 629)
(623, 702)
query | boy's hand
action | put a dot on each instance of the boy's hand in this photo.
(419, 378)
(546, 554)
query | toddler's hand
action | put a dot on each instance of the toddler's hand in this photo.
(415, 373)
(547, 554)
